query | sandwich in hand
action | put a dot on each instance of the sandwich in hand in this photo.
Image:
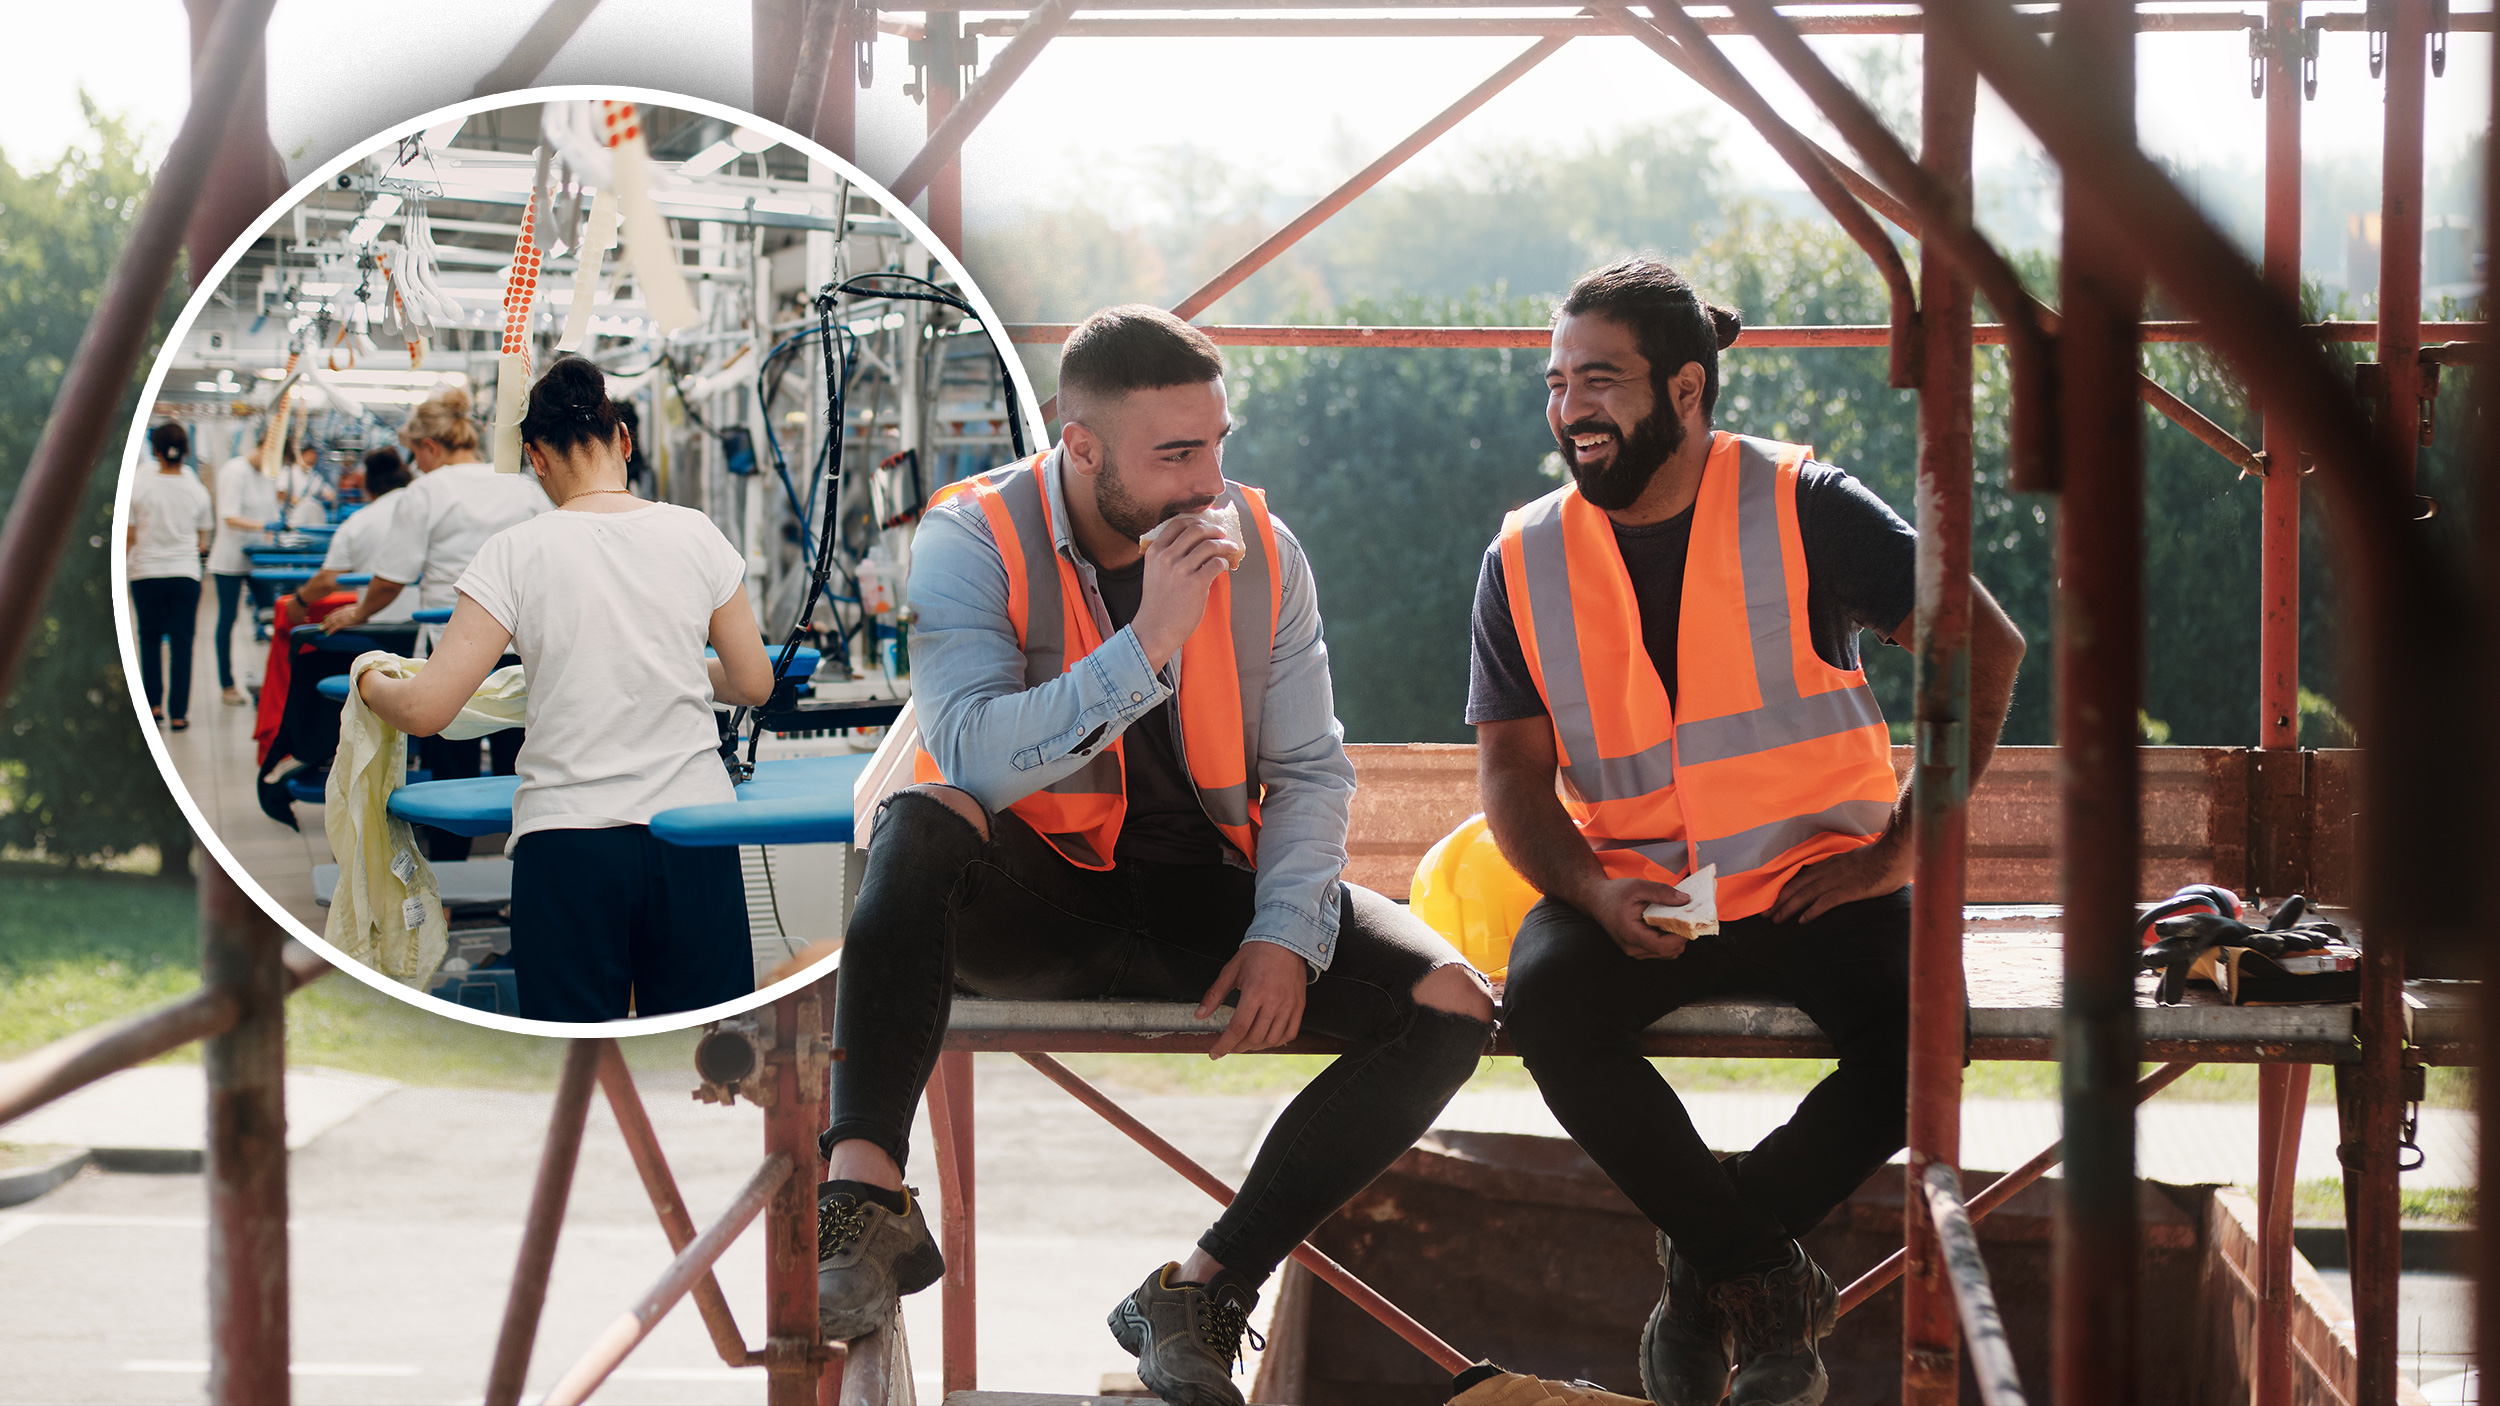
(1226, 518)
(1698, 914)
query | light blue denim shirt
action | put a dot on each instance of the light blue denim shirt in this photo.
(1001, 741)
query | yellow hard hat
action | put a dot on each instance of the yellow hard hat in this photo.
(1465, 891)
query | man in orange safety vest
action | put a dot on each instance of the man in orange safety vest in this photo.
(1674, 634)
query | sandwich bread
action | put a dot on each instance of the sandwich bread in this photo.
(1226, 518)
(1698, 914)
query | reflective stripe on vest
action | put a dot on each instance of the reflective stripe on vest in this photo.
(1223, 668)
(1777, 759)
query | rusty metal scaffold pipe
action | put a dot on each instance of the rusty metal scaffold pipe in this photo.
(951, 1129)
(821, 25)
(2485, 464)
(633, 1124)
(2100, 685)
(1940, 816)
(537, 47)
(240, 958)
(1560, 27)
(1943, 209)
(1851, 334)
(86, 407)
(2278, 637)
(74, 1061)
(1991, 1356)
(1363, 180)
(692, 1265)
(1673, 36)
(795, 1356)
(947, 137)
(2000, 1191)
(1335, 1275)
(556, 1161)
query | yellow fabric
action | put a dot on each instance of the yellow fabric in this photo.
(386, 911)
(1465, 891)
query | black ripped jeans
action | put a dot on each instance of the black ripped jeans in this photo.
(1008, 918)
(1575, 1005)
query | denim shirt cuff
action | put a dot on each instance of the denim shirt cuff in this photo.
(1305, 935)
(1124, 682)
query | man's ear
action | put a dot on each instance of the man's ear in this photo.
(1082, 446)
(1686, 387)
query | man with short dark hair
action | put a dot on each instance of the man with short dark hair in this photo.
(1675, 634)
(1133, 785)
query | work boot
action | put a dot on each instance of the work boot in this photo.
(1777, 1314)
(1684, 1350)
(1187, 1337)
(868, 1257)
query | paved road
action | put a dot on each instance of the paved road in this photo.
(406, 1218)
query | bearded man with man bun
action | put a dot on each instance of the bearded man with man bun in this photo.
(1133, 785)
(1675, 634)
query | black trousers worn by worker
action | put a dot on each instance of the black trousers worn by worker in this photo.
(611, 919)
(166, 609)
(1008, 918)
(1575, 1005)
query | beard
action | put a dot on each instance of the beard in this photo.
(1128, 515)
(1638, 457)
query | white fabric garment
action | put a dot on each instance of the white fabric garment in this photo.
(170, 511)
(302, 490)
(442, 520)
(242, 492)
(386, 911)
(358, 544)
(610, 612)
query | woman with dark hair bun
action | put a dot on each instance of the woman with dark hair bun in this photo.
(171, 523)
(609, 602)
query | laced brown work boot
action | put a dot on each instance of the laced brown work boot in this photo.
(867, 1258)
(1777, 1314)
(1187, 1337)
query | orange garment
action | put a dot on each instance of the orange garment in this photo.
(1771, 758)
(1223, 667)
(274, 678)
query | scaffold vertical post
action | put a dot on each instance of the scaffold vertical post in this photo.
(246, 1163)
(1930, 1330)
(2371, 1202)
(793, 1358)
(508, 1376)
(246, 176)
(2100, 625)
(950, 1126)
(946, 50)
(2486, 480)
(2282, 1089)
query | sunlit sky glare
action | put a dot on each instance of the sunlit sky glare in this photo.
(1299, 114)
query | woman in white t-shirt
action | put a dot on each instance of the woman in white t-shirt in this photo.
(170, 524)
(608, 601)
(304, 496)
(247, 500)
(358, 542)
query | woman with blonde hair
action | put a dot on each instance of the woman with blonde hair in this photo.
(438, 525)
(609, 600)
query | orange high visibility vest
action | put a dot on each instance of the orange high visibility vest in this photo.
(1223, 667)
(1774, 759)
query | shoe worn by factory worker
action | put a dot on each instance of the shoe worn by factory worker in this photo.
(1777, 1314)
(1684, 1350)
(868, 1255)
(1187, 1337)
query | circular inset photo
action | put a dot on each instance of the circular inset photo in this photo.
(513, 534)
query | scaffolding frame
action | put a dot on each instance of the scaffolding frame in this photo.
(2077, 431)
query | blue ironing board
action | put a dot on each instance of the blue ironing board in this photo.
(802, 664)
(791, 801)
(432, 615)
(292, 576)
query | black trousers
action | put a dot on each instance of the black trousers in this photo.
(458, 761)
(1009, 918)
(166, 609)
(611, 920)
(1575, 1006)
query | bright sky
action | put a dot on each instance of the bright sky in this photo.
(1305, 113)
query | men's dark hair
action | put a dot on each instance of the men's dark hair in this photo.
(1134, 347)
(568, 407)
(384, 472)
(1668, 319)
(168, 442)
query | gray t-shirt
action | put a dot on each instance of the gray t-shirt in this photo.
(1861, 573)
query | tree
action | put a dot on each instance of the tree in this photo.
(76, 779)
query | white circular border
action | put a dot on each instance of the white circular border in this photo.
(122, 615)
